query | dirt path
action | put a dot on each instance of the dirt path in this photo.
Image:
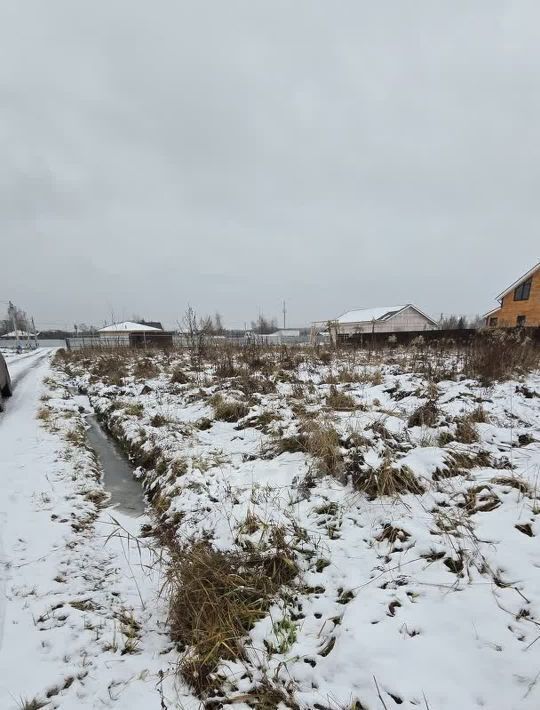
(80, 622)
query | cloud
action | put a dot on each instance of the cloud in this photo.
(234, 154)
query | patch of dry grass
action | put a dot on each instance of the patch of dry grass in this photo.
(501, 354)
(44, 414)
(387, 480)
(146, 368)
(425, 415)
(291, 444)
(466, 432)
(216, 598)
(110, 368)
(323, 443)
(158, 420)
(340, 401)
(32, 704)
(179, 377)
(135, 409)
(228, 410)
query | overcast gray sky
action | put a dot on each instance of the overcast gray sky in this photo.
(234, 154)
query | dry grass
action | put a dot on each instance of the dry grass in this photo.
(44, 414)
(340, 401)
(426, 415)
(33, 704)
(77, 437)
(255, 384)
(500, 355)
(158, 420)
(216, 598)
(110, 368)
(145, 369)
(323, 443)
(179, 377)
(459, 462)
(228, 410)
(291, 444)
(387, 480)
(513, 482)
(225, 364)
(466, 432)
(479, 415)
(135, 409)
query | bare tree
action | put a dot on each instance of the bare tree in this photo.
(196, 331)
(15, 318)
(263, 325)
(455, 322)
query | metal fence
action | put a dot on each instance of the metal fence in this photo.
(179, 340)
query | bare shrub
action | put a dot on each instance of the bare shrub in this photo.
(225, 364)
(253, 356)
(500, 355)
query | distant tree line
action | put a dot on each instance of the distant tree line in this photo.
(456, 322)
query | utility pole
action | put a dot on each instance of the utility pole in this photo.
(284, 315)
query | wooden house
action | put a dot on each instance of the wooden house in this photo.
(519, 304)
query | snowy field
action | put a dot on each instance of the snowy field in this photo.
(366, 523)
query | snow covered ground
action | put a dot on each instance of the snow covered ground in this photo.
(81, 625)
(409, 502)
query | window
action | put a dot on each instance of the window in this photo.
(521, 320)
(493, 321)
(523, 291)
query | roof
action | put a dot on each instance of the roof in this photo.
(491, 312)
(519, 281)
(128, 326)
(366, 315)
(380, 314)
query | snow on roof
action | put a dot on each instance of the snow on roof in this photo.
(127, 327)
(491, 312)
(365, 315)
(519, 281)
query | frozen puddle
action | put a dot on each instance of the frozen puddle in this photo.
(125, 491)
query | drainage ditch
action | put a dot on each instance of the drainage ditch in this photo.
(126, 493)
